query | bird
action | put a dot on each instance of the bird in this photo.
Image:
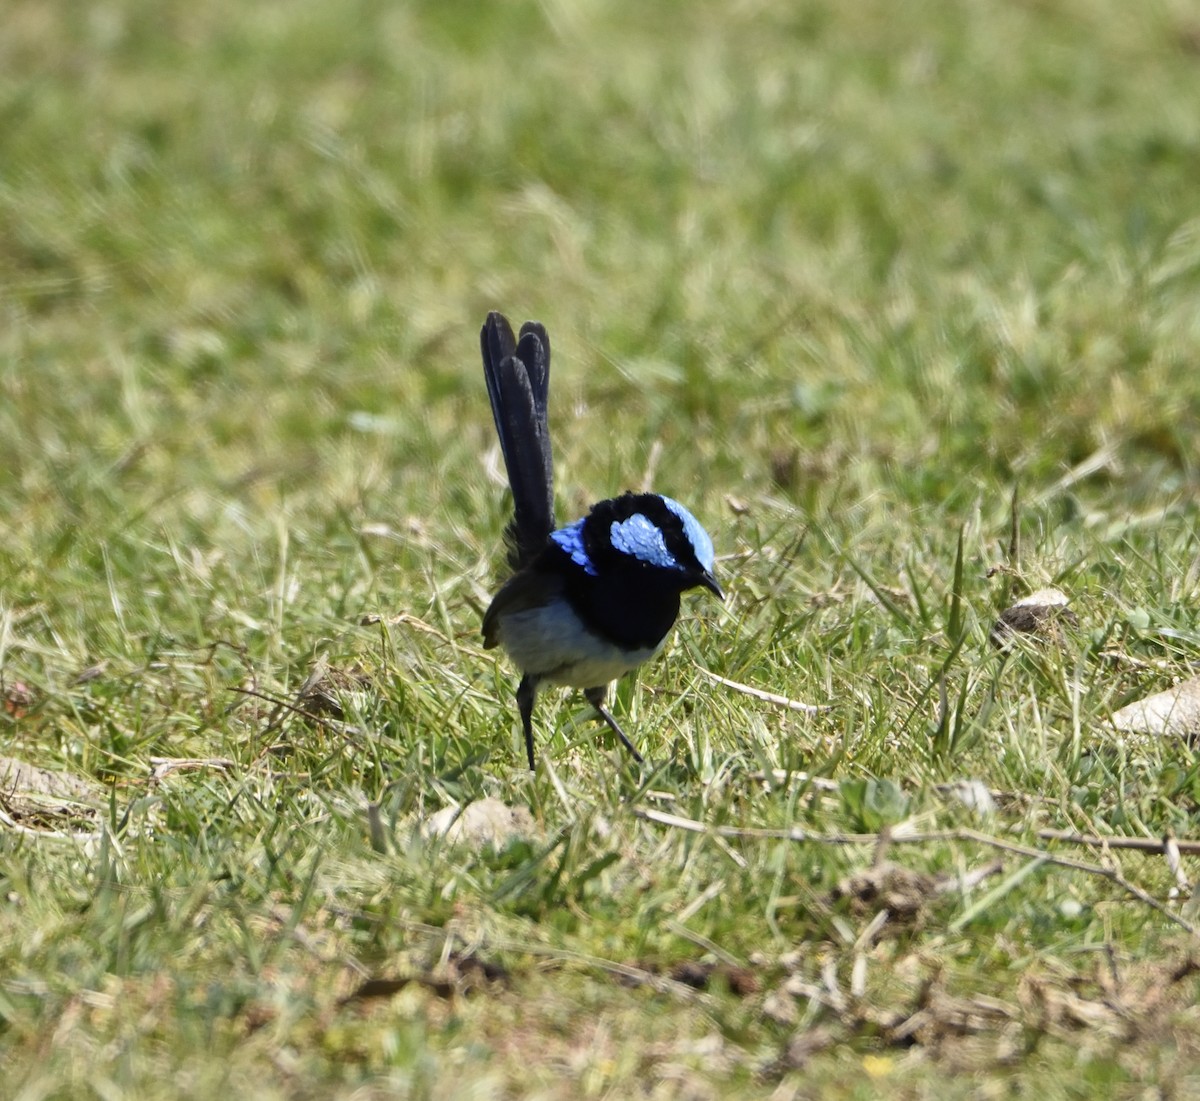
(591, 601)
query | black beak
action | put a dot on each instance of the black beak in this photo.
(710, 583)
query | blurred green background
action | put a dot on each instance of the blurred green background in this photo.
(839, 276)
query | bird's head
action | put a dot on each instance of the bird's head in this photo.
(643, 532)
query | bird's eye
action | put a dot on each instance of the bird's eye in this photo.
(697, 536)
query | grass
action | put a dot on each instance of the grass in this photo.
(841, 280)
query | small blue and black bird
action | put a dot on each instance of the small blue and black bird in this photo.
(589, 602)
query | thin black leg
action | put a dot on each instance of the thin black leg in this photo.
(595, 696)
(526, 691)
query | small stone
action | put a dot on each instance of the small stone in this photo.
(1041, 614)
(1175, 712)
(479, 824)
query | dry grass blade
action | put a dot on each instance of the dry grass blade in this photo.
(766, 697)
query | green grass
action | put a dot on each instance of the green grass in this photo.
(841, 277)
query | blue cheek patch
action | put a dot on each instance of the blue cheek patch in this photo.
(570, 539)
(697, 536)
(642, 540)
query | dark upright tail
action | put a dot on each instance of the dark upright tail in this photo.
(518, 382)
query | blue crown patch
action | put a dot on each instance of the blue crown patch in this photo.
(697, 536)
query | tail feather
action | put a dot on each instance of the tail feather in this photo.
(518, 382)
(497, 343)
(534, 351)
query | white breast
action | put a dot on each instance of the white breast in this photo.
(552, 644)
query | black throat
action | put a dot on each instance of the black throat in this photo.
(632, 607)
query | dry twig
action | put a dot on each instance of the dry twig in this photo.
(1111, 873)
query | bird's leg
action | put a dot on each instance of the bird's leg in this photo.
(595, 696)
(526, 691)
